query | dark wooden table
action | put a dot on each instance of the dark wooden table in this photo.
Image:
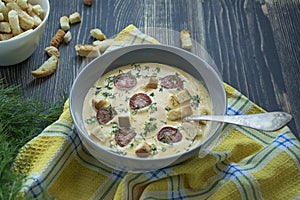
(255, 44)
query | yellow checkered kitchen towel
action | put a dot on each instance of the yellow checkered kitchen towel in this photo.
(245, 164)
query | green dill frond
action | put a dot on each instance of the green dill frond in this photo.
(20, 120)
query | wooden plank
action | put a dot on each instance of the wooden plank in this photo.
(284, 19)
(240, 39)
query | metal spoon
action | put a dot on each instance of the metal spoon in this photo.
(270, 121)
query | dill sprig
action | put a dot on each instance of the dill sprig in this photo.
(20, 120)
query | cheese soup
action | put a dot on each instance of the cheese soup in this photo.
(136, 110)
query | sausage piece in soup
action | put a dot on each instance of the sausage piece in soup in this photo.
(136, 110)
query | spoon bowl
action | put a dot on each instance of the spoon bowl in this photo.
(270, 121)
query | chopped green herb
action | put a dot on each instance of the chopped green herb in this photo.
(150, 126)
(109, 81)
(195, 101)
(173, 78)
(115, 128)
(110, 109)
(137, 68)
(91, 120)
(153, 107)
(154, 149)
(122, 110)
(163, 149)
(166, 139)
(167, 108)
(151, 94)
(156, 70)
(164, 122)
(112, 143)
(134, 112)
(108, 95)
(98, 90)
(108, 87)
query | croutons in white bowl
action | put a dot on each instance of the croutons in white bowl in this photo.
(110, 147)
(15, 47)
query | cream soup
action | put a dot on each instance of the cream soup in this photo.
(136, 110)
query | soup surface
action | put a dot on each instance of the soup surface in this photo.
(136, 110)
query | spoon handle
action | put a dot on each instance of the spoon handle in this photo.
(269, 121)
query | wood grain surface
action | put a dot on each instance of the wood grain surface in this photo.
(255, 44)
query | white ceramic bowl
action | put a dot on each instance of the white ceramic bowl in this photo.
(19, 48)
(135, 54)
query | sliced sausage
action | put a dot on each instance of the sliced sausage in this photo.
(125, 81)
(139, 100)
(105, 114)
(124, 136)
(169, 135)
(171, 82)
